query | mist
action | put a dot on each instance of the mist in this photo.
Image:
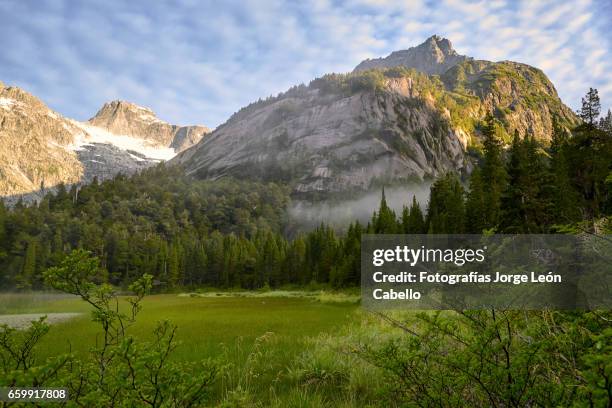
(340, 213)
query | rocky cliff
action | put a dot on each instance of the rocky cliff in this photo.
(408, 117)
(435, 56)
(39, 148)
(33, 142)
(322, 141)
(125, 118)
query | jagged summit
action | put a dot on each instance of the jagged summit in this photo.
(435, 56)
(126, 118)
(120, 107)
(40, 148)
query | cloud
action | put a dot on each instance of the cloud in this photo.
(200, 61)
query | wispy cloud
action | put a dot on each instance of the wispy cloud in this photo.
(198, 62)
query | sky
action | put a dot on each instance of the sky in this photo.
(198, 61)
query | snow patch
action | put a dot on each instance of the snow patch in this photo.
(93, 134)
(133, 156)
(6, 103)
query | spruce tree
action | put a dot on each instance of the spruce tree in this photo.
(416, 219)
(446, 209)
(493, 173)
(475, 215)
(565, 200)
(513, 197)
(591, 107)
(605, 123)
(385, 221)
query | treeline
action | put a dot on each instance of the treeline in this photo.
(229, 233)
(159, 222)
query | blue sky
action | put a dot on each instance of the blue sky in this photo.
(200, 61)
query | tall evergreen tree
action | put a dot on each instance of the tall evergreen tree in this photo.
(446, 210)
(591, 107)
(385, 220)
(513, 198)
(493, 173)
(475, 214)
(414, 223)
(565, 200)
(605, 123)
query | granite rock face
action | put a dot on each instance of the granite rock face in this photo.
(328, 143)
(406, 118)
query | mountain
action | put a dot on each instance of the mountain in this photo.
(435, 56)
(125, 118)
(39, 148)
(409, 117)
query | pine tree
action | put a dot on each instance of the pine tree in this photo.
(385, 221)
(605, 123)
(538, 192)
(589, 155)
(565, 200)
(415, 223)
(347, 272)
(28, 270)
(493, 173)
(446, 210)
(591, 108)
(405, 219)
(174, 267)
(475, 216)
(294, 262)
(513, 197)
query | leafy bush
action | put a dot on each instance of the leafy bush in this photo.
(121, 371)
(497, 358)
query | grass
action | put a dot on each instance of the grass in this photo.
(257, 337)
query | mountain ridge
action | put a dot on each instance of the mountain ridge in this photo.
(40, 148)
(345, 133)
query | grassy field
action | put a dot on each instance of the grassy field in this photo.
(257, 338)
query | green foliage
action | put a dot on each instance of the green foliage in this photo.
(496, 358)
(385, 220)
(413, 220)
(475, 214)
(19, 365)
(605, 123)
(526, 202)
(591, 107)
(121, 371)
(446, 209)
(493, 173)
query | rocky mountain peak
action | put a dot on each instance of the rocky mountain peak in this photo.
(40, 148)
(349, 133)
(439, 46)
(435, 56)
(126, 118)
(116, 111)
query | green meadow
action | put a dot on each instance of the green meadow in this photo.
(257, 338)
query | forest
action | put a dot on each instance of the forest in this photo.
(230, 233)
(107, 246)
